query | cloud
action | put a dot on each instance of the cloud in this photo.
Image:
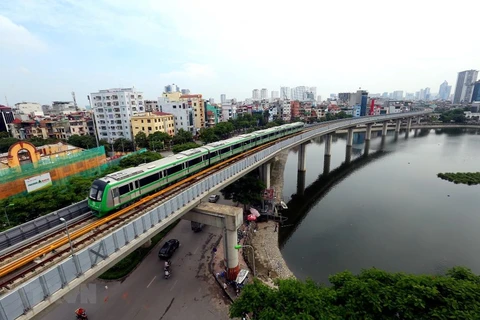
(17, 38)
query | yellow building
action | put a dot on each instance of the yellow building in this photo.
(151, 122)
(172, 96)
(196, 102)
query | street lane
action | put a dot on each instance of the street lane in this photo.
(190, 293)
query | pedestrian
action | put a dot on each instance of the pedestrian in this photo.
(224, 286)
(276, 225)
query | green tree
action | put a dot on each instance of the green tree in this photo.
(182, 137)
(207, 135)
(6, 143)
(223, 129)
(85, 142)
(247, 190)
(158, 140)
(138, 158)
(123, 145)
(372, 294)
(4, 134)
(141, 140)
(106, 145)
(184, 146)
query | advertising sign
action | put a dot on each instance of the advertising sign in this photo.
(38, 182)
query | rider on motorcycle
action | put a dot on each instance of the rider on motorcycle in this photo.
(167, 265)
(80, 313)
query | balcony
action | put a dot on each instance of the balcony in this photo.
(116, 109)
(114, 97)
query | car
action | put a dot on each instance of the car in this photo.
(213, 198)
(167, 250)
(197, 226)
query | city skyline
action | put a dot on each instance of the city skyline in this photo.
(82, 47)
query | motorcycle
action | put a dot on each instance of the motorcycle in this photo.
(82, 316)
(167, 273)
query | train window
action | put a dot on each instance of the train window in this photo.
(194, 161)
(116, 194)
(124, 189)
(225, 150)
(148, 179)
(212, 154)
(175, 169)
(235, 146)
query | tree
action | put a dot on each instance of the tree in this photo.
(207, 135)
(182, 137)
(158, 139)
(372, 294)
(246, 190)
(223, 129)
(123, 145)
(106, 145)
(184, 146)
(141, 140)
(85, 142)
(6, 143)
(136, 159)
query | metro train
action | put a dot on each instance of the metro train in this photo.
(121, 188)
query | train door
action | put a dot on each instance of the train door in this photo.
(134, 186)
(116, 196)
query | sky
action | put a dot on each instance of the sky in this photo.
(49, 48)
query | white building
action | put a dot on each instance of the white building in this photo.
(319, 98)
(28, 108)
(113, 109)
(171, 88)
(256, 94)
(285, 93)
(229, 110)
(223, 98)
(313, 91)
(264, 94)
(275, 95)
(398, 95)
(181, 111)
(286, 110)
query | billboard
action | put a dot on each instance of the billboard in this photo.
(38, 182)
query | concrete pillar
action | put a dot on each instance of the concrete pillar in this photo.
(348, 154)
(326, 164)
(231, 255)
(415, 132)
(395, 137)
(382, 143)
(266, 169)
(301, 182)
(419, 119)
(397, 125)
(367, 148)
(302, 158)
(385, 128)
(350, 137)
(328, 145)
(409, 124)
(368, 133)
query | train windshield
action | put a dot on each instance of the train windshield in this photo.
(96, 191)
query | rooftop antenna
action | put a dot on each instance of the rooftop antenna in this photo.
(6, 101)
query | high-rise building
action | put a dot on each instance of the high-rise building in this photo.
(319, 98)
(264, 94)
(464, 89)
(185, 91)
(223, 98)
(298, 93)
(444, 91)
(182, 112)
(113, 109)
(398, 95)
(285, 93)
(476, 92)
(275, 94)
(196, 102)
(171, 88)
(28, 108)
(256, 94)
(385, 95)
(427, 94)
(313, 91)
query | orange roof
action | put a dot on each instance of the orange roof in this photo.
(158, 113)
(190, 96)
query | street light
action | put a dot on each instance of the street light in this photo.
(6, 215)
(68, 234)
(253, 253)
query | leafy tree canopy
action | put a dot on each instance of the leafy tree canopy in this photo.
(207, 135)
(182, 137)
(138, 158)
(122, 144)
(455, 115)
(185, 146)
(372, 294)
(246, 190)
(141, 140)
(85, 142)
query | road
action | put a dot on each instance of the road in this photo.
(190, 293)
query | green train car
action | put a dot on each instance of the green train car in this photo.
(121, 188)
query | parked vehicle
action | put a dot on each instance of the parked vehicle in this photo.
(197, 226)
(167, 250)
(213, 198)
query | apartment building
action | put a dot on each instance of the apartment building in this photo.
(196, 102)
(113, 109)
(182, 113)
(151, 122)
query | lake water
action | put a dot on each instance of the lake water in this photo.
(391, 212)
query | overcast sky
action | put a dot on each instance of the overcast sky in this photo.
(50, 48)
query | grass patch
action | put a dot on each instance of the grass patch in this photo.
(470, 178)
(130, 262)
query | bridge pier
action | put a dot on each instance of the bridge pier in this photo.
(397, 125)
(366, 151)
(301, 182)
(368, 133)
(415, 132)
(302, 157)
(265, 171)
(348, 154)
(419, 119)
(350, 137)
(228, 218)
(382, 143)
(328, 145)
(384, 129)
(409, 124)
(326, 164)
